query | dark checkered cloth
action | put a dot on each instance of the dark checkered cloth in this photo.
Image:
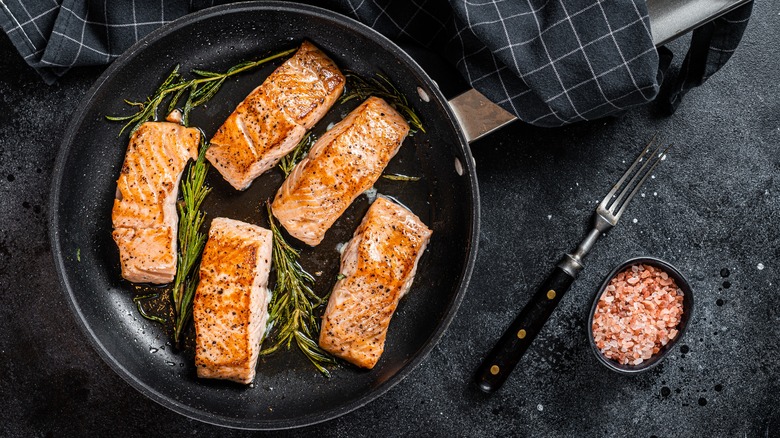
(550, 62)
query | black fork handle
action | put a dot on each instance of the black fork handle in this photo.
(503, 358)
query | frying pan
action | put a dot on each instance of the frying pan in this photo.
(288, 391)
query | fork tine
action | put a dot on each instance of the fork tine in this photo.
(648, 158)
(628, 172)
(658, 158)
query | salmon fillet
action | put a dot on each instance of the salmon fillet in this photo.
(378, 264)
(275, 116)
(230, 310)
(345, 162)
(144, 214)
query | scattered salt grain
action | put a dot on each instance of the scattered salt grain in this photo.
(637, 314)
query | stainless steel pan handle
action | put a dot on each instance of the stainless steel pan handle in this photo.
(477, 115)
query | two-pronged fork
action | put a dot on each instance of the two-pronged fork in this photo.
(503, 358)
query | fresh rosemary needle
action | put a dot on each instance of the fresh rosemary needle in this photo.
(200, 89)
(293, 304)
(141, 310)
(296, 155)
(191, 240)
(380, 86)
(399, 177)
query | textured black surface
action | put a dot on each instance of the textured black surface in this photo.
(714, 206)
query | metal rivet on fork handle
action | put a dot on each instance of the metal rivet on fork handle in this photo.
(503, 358)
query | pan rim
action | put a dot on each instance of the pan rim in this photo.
(180, 407)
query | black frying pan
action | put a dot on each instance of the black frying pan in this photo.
(288, 391)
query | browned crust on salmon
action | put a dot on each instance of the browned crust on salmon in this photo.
(275, 116)
(230, 308)
(345, 162)
(144, 213)
(378, 265)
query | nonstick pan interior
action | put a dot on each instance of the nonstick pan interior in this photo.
(288, 391)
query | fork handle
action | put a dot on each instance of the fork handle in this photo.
(503, 358)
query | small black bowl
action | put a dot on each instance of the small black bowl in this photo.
(681, 282)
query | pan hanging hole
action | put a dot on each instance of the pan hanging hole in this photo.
(423, 95)
(458, 166)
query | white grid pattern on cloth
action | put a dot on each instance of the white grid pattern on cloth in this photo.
(548, 28)
(134, 24)
(599, 102)
(587, 60)
(532, 102)
(16, 24)
(81, 40)
(557, 75)
(32, 19)
(580, 48)
(620, 52)
(596, 77)
(530, 57)
(55, 35)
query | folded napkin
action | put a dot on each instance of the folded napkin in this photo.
(549, 62)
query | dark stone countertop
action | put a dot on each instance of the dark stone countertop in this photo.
(715, 204)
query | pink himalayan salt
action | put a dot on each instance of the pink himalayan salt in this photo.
(637, 314)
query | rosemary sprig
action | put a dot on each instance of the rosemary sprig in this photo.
(201, 89)
(380, 86)
(296, 155)
(399, 177)
(148, 110)
(191, 240)
(141, 310)
(293, 304)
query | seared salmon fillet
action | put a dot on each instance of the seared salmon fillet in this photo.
(275, 116)
(378, 265)
(144, 213)
(230, 309)
(345, 162)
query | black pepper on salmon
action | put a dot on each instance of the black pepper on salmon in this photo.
(230, 309)
(377, 269)
(144, 214)
(275, 116)
(345, 162)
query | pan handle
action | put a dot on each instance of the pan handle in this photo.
(477, 115)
